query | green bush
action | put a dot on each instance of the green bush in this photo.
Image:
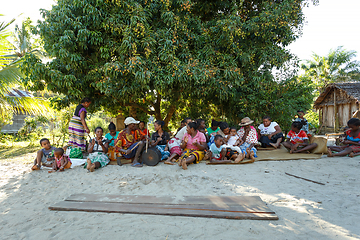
(95, 122)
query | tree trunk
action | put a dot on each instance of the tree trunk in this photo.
(170, 113)
(132, 112)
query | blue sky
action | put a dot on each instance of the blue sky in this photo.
(331, 24)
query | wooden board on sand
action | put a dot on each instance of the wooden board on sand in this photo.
(230, 207)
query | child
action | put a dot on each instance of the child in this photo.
(220, 152)
(233, 141)
(297, 139)
(352, 141)
(301, 118)
(61, 162)
(44, 155)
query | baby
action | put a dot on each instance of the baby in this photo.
(61, 162)
(221, 154)
(45, 156)
(233, 138)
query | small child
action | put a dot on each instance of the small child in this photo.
(233, 138)
(220, 151)
(45, 156)
(61, 162)
(297, 139)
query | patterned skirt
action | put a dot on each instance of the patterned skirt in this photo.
(174, 146)
(199, 155)
(113, 154)
(246, 145)
(77, 133)
(99, 157)
(164, 154)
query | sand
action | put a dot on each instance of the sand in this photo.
(306, 210)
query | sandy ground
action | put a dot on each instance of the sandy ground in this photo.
(306, 210)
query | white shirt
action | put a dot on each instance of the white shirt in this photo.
(267, 130)
(181, 133)
(232, 140)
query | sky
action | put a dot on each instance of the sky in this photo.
(330, 24)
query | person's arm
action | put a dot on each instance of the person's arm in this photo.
(91, 146)
(82, 118)
(104, 146)
(201, 145)
(278, 130)
(64, 163)
(184, 142)
(351, 142)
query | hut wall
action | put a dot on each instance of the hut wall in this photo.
(344, 115)
(18, 122)
(354, 107)
(329, 116)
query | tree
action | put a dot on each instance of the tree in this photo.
(156, 56)
(337, 66)
(10, 75)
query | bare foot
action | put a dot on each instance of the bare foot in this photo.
(92, 167)
(88, 164)
(169, 162)
(36, 167)
(274, 145)
(252, 155)
(330, 154)
(248, 153)
(291, 151)
(351, 154)
(51, 171)
(184, 165)
(240, 158)
(180, 162)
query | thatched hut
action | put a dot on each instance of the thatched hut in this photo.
(337, 104)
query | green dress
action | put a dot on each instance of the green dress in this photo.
(98, 155)
(210, 131)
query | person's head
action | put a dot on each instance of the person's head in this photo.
(354, 124)
(218, 140)
(246, 122)
(266, 121)
(99, 132)
(202, 130)
(58, 152)
(296, 126)
(224, 127)
(142, 125)
(45, 143)
(158, 124)
(187, 120)
(201, 123)
(192, 127)
(131, 123)
(232, 131)
(214, 125)
(300, 114)
(182, 124)
(86, 102)
(112, 129)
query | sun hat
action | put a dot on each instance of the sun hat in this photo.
(130, 120)
(246, 121)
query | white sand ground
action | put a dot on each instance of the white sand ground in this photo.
(306, 210)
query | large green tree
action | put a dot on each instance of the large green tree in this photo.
(161, 55)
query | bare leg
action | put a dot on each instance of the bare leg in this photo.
(187, 161)
(252, 155)
(37, 162)
(306, 148)
(278, 141)
(138, 152)
(213, 160)
(247, 153)
(337, 148)
(288, 145)
(170, 159)
(239, 158)
(345, 152)
(88, 164)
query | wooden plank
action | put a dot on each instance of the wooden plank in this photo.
(116, 198)
(163, 209)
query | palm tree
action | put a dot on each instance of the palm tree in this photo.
(337, 66)
(10, 76)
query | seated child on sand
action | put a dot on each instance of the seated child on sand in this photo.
(297, 140)
(220, 152)
(61, 162)
(351, 141)
(45, 156)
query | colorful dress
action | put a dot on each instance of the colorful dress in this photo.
(299, 137)
(97, 155)
(77, 130)
(174, 143)
(58, 162)
(251, 138)
(112, 153)
(162, 144)
(128, 141)
(192, 150)
(355, 148)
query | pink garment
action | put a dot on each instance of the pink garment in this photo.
(58, 161)
(252, 137)
(176, 150)
(199, 137)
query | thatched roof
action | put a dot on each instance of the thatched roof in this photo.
(352, 89)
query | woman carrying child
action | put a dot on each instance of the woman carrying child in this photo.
(297, 140)
(160, 138)
(351, 141)
(194, 144)
(61, 162)
(97, 149)
(248, 137)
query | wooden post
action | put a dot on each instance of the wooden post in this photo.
(335, 110)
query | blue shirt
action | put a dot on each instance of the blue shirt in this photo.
(111, 138)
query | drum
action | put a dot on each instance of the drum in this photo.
(152, 157)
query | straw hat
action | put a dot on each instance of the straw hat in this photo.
(245, 121)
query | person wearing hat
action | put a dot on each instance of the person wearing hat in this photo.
(248, 135)
(129, 142)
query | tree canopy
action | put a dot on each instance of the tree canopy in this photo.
(159, 56)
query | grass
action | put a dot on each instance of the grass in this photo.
(16, 149)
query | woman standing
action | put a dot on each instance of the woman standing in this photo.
(160, 138)
(77, 125)
(98, 148)
(270, 133)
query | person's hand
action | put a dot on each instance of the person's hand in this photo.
(128, 151)
(186, 139)
(93, 141)
(270, 136)
(347, 142)
(247, 130)
(294, 146)
(87, 130)
(166, 148)
(159, 139)
(101, 143)
(196, 143)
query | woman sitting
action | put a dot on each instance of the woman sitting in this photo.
(160, 138)
(212, 131)
(111, 136)
(97, 149)
(297, 140)
(351, 141)
(143, 131)
(193, 143)
(270, 133)
(249, 138)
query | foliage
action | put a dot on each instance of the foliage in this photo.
(312, 117)
(33, 128)
(337, 66)
(162, 56)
